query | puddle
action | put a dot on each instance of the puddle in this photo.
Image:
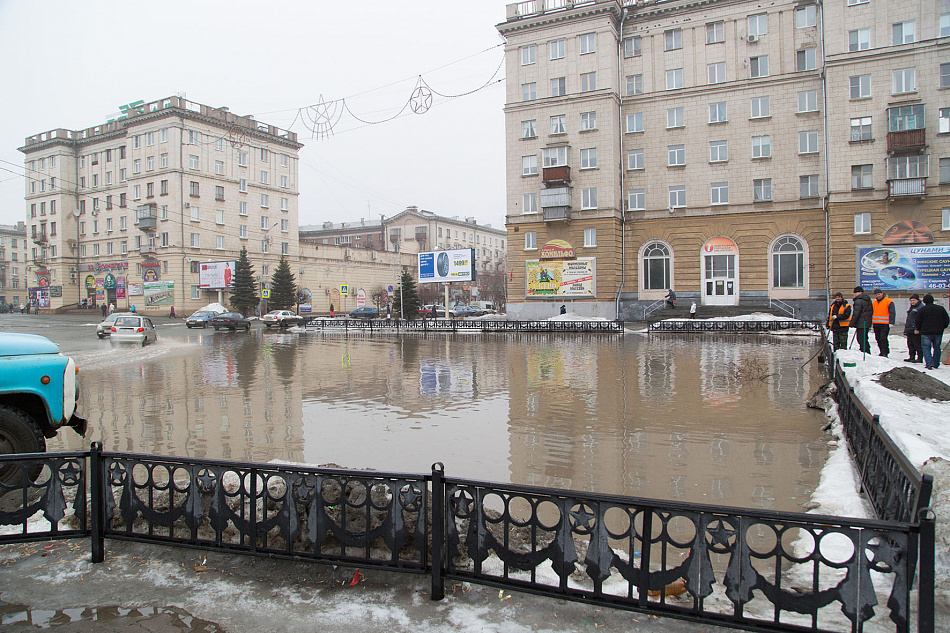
(116, 617)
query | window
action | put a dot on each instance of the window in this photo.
(657, 266)
(122, 175)
(219, 192)
(150, 190)
(590, 238)
(136, 142)
(137, 166)
(943, 121)
(137, 192)
(557, 49)
(530, 240)
(242, 185)
(719, 193)
(219, 167)
(944, 76)
(634, 85)
(589, 198)
(903, 167)
(808, 186)
(861, 129)
(194, 138)
(529, 92)
(903, 33)
(758, 24)
(192, 161)
(635, 159)
(265, 223)
(761, 189)
(944, 26)
(716, 73)
(635, 122)
(285, 227)
(264, 200)
(860, 86)
(264, 154)
(265, 177)
(808, 101)
(193, 189)
(677, 155)
(529, 129)
(715, 32)
(242, 208)
(632, 47)
(588, 43)
(242, 231)
(717, 112)
(95, 182)
(195, 240)
(851, 3)
(808, 142)
(121, 201)
(673, 39)
(806, 59)
(859, 40)
(905, 118)
(675, 117)
(760, 107)
(284, 202)
(123, 223)
(528, 54)
(788, 263)
(588, 121)
(588, 82)
(242, 159)
(862, 176)
(677, 196)
(718, 151)
(219, 242)
(558, 124)
(558, 86)
(195, 214)
(529, 165)
(674, 79)
(759, 66)
(805, 16)
(589, 158)
(529, 203)
(903, 80)
(862, 222)
(283, 181)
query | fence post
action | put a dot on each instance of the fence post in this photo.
(96, 502)
(438, 525)
(925, 591)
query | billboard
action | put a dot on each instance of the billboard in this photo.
(925, 267)
(443, 266)
(567, 278)
(216, 275)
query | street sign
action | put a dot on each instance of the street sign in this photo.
(390, 289)
(344, 289)
(265, 293)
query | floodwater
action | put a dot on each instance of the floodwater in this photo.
(707, 419)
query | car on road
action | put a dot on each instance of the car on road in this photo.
(201, 318)
(230, 321)
(283, 318)
(366, 312)
(132, 328)
(425, 312)
(465, 311)
(104, 329)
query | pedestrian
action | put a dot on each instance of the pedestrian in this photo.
(932, 320)
(132, 308)
(671, 299)
(21, 307)
(331, 310)
(839, 318)
(692, 311)
(389, 313)
(563, 309)
(915, 353)
(883, 315)
(861, 313)
(171, 312)
(103, 309)
(111, 307)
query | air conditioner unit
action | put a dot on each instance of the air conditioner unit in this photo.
(753, 38)
(187, 205)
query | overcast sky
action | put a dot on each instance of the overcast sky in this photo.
(71, 63)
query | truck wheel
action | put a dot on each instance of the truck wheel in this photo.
(19, 434)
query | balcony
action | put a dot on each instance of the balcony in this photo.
(147, 249)
(42, 238)
(906, 141)
(557, 214)
(556, 204)
(559, 174)
(906, 187)
(146, 216)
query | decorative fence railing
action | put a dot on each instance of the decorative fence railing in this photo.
(754, 569)
(461, 325)
(738, 327)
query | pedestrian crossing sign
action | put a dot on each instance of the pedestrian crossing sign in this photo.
(344, 289)
(265, 293)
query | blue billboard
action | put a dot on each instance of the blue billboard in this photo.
(904, 267)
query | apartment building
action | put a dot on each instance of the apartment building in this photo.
(13, 260)
(126, 211)
(726, 150)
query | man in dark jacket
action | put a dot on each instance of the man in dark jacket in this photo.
(861, 313)
(932, 320)
(839, 316)
(914, 352)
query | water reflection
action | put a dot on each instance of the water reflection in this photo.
(665, 417)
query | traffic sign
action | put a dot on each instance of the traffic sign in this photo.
(390, 289)
(344, 289)
(265, 293)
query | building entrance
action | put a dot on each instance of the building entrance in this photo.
(720, 272)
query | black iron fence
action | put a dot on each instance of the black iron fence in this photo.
(462, 325)
(738, 327)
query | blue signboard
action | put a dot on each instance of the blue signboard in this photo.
(904, 267)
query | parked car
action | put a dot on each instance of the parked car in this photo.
(132, 328)
(104, 329)
(283, 318)
(230, 321)
(366, 312)
(201, 318)
(425, 312)
(39, 389)
(465, 311)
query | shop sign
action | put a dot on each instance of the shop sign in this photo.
(566, 278)
(110, 282)
(90, 281)
(120, 288)
(56, 291)
(150, 274)
(720, 246)
(904, 267)
(42, 280)
(96, 267)
(135, 289)
(556, 249)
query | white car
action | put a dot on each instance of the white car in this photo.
(283, 318)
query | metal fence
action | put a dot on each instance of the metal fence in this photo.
(461, 325)
(738, 327)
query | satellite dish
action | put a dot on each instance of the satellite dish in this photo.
(76, 213)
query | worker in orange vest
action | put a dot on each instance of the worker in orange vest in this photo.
(839, 318)
(883, 314)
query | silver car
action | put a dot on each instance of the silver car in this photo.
(283, 318)
(132, 328)
(104, 329)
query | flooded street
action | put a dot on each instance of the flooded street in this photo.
(662, 416)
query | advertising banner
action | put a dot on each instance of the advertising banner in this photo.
(445, 266)
(216, 275)
(135, 290)
(159, 293)
(904, 267)
(568, 278)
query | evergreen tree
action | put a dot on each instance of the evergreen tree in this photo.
(283, 290)
(406, 298)
(244, 295)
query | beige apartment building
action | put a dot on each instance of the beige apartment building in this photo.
(125, 212)
(13, 260)
(735, 152)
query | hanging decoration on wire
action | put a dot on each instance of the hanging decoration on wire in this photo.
(237, 136)
(321, 117)
(421, 99)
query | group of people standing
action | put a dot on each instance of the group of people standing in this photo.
(923, 327)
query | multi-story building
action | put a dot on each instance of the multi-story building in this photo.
(124, 212)
(726, 150)
(13, 261)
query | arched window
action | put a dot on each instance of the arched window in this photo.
(657, 264)
(788, 263)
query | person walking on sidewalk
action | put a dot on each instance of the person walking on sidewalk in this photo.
(932, 320)
(839, 318)
(861, 312)
(670, 299)
(914, 352)
(883, 315)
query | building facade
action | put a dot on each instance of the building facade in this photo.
(13, 261)
(125, 212)
(735, 152)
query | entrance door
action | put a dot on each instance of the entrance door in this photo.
(719, 283)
